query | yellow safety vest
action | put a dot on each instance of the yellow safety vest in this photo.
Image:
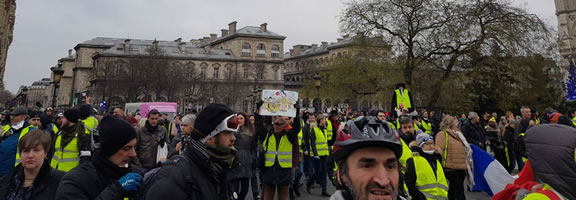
(406, 154)
(544, 192)
(427, 126)
(329, 130)
(416, 127)
(392, 125)
(22, 133)
(55, 128)
(574, 121)
(321, 142)
(433, 187)
(282, 154)
(404, 100)
(300, 136)
(91, 123)
(65, 159)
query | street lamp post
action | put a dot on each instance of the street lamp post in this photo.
(318, 83)
(57, 73)
(254, 95)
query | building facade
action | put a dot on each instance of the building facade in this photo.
(7, 17)
(566, 15)
(304, 62)
(39, 93)
(229, 68)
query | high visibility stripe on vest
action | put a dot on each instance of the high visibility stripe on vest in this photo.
(544, 193)
(427, 126)
(65, 159)
(282, 154)
(432, 186)
(404, 100)
(321, 142)
(90, 123)
(22, 133)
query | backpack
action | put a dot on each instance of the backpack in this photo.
(150, 177)
(94, 135)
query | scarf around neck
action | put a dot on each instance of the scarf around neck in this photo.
(150, 128)
(107, 168)
(68, 133)
(213, 163)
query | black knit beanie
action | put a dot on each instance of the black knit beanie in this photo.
(72, 115)
(114, 134)
(209, 118)
(85, 111)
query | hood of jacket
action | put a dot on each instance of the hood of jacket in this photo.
(552, 150)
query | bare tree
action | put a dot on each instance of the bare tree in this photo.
(444, 33)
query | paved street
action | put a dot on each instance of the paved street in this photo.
(315, 194)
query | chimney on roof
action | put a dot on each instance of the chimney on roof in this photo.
(324, 44)
(264, 27)
(291, 52)
(70, 53)
(205, 40)
(224, 32)
(213, 36)
(178, 40)
(232, 27)
(181, 46)
(127, 45)
(314, 45)
(154, 43)
(339, 39)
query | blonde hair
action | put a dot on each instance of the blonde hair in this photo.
(447, 122)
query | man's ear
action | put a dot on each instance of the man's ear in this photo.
(339, 178)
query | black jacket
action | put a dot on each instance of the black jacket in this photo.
(474, 134)
(89, 182)
(44, 186)
(184, 178)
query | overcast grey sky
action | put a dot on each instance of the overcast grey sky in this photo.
(45, 30)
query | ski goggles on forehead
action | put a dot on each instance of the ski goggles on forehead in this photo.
(229, 123)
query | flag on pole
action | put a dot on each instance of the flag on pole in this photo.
(489, 175)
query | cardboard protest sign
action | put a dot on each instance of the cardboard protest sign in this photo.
(278, 103)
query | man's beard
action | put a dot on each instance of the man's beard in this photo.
(363, 193)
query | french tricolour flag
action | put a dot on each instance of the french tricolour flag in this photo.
(489, 175)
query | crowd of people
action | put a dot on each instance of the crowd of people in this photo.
(221, 154)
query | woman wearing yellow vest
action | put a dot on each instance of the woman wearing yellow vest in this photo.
(424, 172)
(73, 145)
(277, 145)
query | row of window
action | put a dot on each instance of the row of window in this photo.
(245, 75)
(117, 68)
(260, 50)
